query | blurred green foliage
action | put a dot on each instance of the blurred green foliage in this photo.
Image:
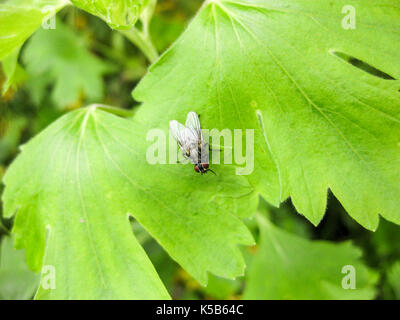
(17, 282)
(50, 77)
(60, 59)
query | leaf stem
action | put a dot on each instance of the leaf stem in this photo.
(143, 41)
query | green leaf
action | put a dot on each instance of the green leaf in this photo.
(221, 289)
(61, 57)
(17, 282)
(87, 174)
(320, 122)
(140, 36)
(289, 267)
(384, 242)
(12, 129)
(20, 18)
(119, 14)
(394, 279)
(14, 73)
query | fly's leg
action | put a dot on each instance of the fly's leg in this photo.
(209, 170)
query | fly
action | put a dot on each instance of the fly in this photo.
(191, 141)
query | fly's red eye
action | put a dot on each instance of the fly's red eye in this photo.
(196, 168)
(205, 165)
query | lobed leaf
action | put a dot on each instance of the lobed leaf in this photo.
(74, 187)
(278, 67)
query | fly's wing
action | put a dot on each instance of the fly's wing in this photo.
(190, 143)
(193, 123)
(177, 130)
(185, 137)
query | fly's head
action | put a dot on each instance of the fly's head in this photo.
(202, 168)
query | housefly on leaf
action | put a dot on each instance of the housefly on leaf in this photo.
(191, 141)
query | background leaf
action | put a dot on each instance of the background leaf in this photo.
(320, 122)
(17, 282)
(289, 267)
(394, 279)
(60, 57)
(10, 139)
(13, 71)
